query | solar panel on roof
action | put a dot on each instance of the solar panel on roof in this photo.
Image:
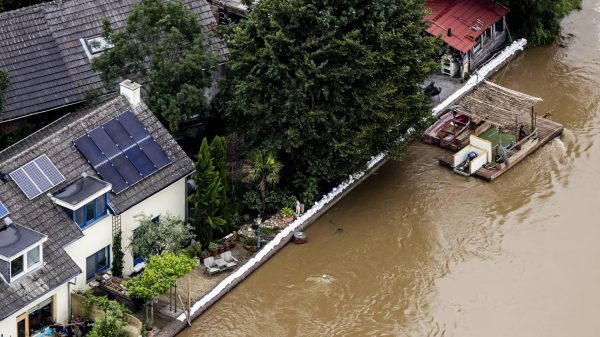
(37, 176)
(122, 151)
(3, 210)
(117, 132)
(90, 151)
(110, 174)
(25, 184)
(105, 143)
(155, 153)
(126, 169)
(53, 174)
(133, 126)
(141, 161)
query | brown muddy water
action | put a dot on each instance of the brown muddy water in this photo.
(425, 252)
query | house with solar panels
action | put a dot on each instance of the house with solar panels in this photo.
(66, 190)
(473, 30)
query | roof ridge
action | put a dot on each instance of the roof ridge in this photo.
(82, 113)
(26, 9)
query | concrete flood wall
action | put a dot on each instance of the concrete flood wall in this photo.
(323, 205)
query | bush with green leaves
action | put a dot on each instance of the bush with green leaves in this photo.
(114, 317)
(160, 274)
(169, 234)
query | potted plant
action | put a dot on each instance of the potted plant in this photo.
(232, 243)
(194, 249)
(148, 328)
(287, 214)
(213, 247)
(203, 255)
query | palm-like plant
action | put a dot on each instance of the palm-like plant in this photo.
(262, 169)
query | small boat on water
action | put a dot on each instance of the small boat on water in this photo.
(448, 131)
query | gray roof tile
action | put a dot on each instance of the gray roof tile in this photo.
(48, 67)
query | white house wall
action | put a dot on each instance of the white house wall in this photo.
(99, 235)
(96, 237)
(8, 326)
(170, 200)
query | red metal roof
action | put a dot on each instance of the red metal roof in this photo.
(467, 19)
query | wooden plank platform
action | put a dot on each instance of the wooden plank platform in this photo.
(546, 130)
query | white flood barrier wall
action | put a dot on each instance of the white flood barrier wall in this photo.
(329, 200)
(483, 72)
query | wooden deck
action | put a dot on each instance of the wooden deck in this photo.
(546, 131)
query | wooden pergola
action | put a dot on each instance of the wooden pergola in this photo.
(501, 106)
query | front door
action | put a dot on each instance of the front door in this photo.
(23, 325)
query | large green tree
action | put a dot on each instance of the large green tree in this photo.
(218, 152)
(161, 47)
(538, 20)
(325, 85)
(206, 201)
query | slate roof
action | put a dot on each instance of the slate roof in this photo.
(468, 19)
(42, 215)
(40, 48)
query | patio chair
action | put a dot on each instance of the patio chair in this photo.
(229, 259)
(211, 266)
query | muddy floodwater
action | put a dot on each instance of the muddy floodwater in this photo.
(425, 252)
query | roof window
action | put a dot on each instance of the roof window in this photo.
(95, 46)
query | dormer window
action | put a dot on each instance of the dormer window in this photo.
(85, 200)
(21, 250)
(26, 262)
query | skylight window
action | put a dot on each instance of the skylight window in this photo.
(95, 46)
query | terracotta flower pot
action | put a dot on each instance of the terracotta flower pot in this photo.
(214, 252)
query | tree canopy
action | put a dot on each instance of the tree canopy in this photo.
(160, 47)
(538, 20)
(169, 234)
(159, 275)
(326, 85)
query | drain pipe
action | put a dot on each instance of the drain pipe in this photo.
(74, 282)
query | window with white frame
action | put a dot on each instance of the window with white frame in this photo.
(26, 262)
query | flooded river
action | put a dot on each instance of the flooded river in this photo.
(425, 252)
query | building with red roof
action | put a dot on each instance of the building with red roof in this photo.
(473, 29)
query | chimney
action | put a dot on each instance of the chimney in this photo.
(131, 91)
(7, 222)
(449, 31)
